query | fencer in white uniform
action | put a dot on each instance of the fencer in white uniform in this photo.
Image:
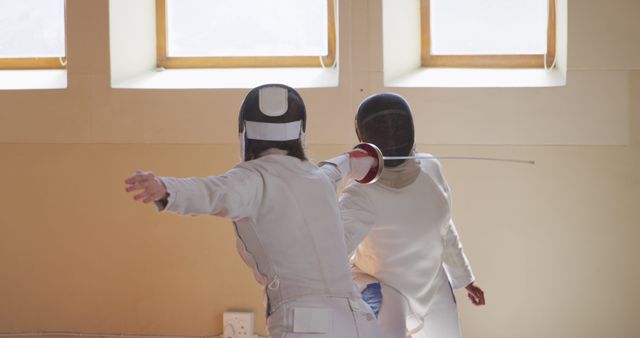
(406, 251)
(286, 217)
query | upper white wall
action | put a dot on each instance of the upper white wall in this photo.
(592, 109)
(604, 34)
(132, 32)
(401, 37)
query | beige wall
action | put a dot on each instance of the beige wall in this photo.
(554, 245)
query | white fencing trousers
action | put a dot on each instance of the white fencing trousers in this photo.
(441, 320)
(323, 317)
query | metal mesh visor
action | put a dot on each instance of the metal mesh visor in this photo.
(385, 120)
(391, 131)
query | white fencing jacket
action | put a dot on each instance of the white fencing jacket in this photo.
(287, 223)
(403, 237)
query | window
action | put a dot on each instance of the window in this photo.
(245, 33)
(488, 34)
(32, 34)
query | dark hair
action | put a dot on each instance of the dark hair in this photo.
(255, 148)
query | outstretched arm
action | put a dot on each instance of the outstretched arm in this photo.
(234, 195)
(354, 164)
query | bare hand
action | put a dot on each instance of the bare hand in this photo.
(152, 188)
(476, 295)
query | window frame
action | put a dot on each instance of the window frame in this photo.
(163, 61)
(486, 61)
(33, 63)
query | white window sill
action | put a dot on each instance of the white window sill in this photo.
(230, 78)
(33, 79)
(483, 78)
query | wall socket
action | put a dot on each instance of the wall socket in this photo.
(237, 324)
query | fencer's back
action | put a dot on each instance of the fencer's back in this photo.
(295, 240)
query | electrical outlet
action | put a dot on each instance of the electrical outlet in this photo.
(237, 325)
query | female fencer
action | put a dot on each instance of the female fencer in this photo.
(286, 217)
(407, 251)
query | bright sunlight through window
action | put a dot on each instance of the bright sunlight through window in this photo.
(460, 27)
(32, 34)
(491, 28)
(260, 30)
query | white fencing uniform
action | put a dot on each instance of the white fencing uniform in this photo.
(289, 232)
(408, 242)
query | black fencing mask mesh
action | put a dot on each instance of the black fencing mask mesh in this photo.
(385, 120)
